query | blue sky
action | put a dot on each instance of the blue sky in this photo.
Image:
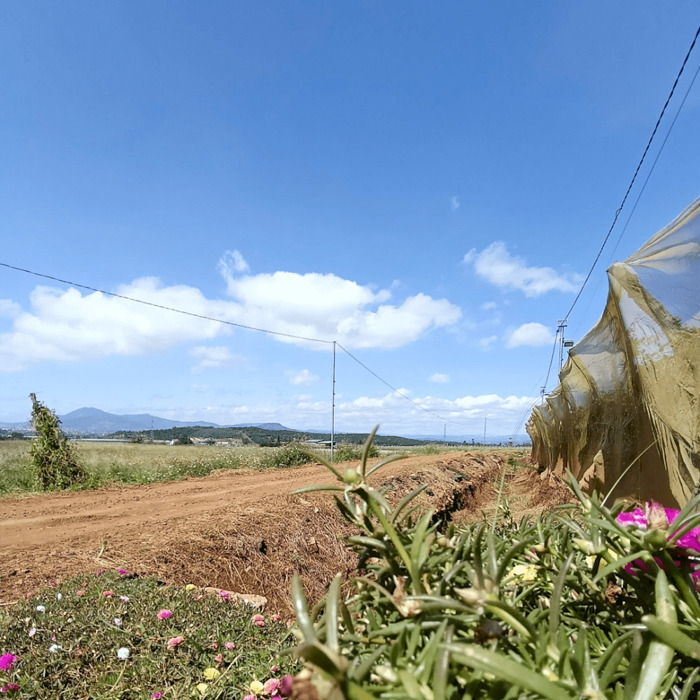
(425, 183)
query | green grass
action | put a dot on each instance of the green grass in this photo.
(86, 664)
(130, 463)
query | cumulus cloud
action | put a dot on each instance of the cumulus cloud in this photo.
(532, 334)
(65, 325)
(302, 377)
(439, 378)
(9, 309)
(214, 357)
(496, 265)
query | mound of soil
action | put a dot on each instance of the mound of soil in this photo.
(239, 531)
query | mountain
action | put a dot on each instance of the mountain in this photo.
(95, 421)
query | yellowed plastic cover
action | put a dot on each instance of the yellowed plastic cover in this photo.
(630, 389)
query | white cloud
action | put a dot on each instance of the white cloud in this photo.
(213, 357)
(499, 267)
(454, 203)
(231, 262)
(9, 309)
(65, 326)
(302, 378)
(440, 378)
(532, 334)
(486, 343)
(489, 306)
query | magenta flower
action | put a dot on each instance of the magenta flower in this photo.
(7, 661)
(655, 516)
(99, 572)
(156, 696)
(122, 572)
(225, 595)
(175, 642)
(9, 688)
(286, 686)
(164, 614)
(271, 686)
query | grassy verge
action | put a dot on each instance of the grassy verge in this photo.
(117, 463)
(101, 636)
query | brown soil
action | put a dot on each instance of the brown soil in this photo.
(241, 531)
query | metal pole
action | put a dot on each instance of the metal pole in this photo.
(333, 407)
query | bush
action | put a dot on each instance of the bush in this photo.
(53, 457)
(584, 601)
(291, 455)
(345, 452)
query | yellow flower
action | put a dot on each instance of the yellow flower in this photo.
(256, 687)
(202, 688)
(523, 573)
(211, 674)
(190, 587)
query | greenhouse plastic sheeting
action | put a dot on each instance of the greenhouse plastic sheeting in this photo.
(629, 393)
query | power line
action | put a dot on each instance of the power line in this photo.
(636, 172)
(166, 308)
(398, 391)
(228, 323)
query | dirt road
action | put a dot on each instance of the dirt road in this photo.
(229, 529)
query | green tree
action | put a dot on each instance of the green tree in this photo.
(54, 459)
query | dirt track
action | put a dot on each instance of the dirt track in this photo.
(215, 530)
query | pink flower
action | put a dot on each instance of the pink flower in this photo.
(271, 686)
(259, 620)
(99, 572)
(249, 697)
(9, 688)
(175, 642)
(122, 572)
(286, 686)
(219, 658)
(274, 669)
(107, 594)
(230, 645)
(276, 618)
(164, 614)
(53, 584)
(156, 696)
(225, 595)
(124, 598)
(7, 661)
(80, 593)
(215, 645)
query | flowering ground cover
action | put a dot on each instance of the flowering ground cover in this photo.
(113, 635)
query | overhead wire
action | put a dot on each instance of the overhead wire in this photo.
(228, 323)
(636, 172)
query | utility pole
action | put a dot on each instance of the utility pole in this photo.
(560, 329)
(333, 407)
(444, 433)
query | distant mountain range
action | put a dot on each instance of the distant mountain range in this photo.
(93, 421)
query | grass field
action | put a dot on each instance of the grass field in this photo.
(144, 463)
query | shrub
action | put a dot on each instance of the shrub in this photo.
(53, 457)
(291, 455)
(345, 452)
(584, 601)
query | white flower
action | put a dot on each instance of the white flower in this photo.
(32, 631)
(123, 653)
(117, 622)
(124, 598)
(40, 608)
(59, 596)
(54, 648)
